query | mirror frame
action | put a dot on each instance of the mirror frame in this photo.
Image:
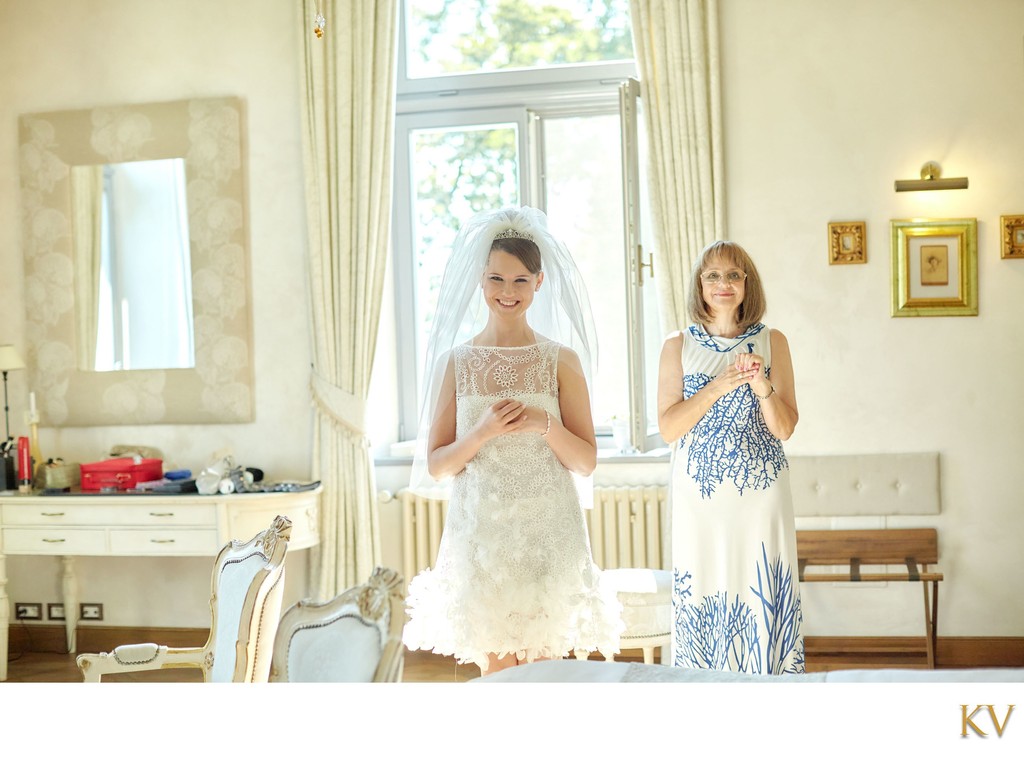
(207, 134)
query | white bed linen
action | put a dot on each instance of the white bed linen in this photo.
(596, 671)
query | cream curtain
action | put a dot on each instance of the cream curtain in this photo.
(676, 44)
(348, 125)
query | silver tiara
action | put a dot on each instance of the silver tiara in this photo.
(511, 232)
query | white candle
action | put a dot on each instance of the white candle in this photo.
(32, 403)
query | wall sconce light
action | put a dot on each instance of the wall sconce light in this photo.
(931, 180)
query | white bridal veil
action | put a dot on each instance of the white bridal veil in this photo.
(560, 309)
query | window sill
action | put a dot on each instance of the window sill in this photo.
(604, 456)
(613, 456)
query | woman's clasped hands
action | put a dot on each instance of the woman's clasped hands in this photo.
(747, 369)
(751, 369)
(511, 416)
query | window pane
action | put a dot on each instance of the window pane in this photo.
(583, 187)
(653, 330)
(462, 36)
(455, 173)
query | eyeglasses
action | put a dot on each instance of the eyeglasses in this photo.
(733, 277)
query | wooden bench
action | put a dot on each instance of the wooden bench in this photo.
(916, 549)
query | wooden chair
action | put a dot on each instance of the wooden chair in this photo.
(247, 587)
(355, 637)
(916, 549)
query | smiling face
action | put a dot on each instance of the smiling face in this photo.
(723, 285)
(508, 285)
(744, 297)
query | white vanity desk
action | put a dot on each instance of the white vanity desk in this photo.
(138, 525)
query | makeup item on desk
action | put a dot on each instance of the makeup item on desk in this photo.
(120, 474)
(56, 473)
(24, 466)
(8, 469)
(176, 486)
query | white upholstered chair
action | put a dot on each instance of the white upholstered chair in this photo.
(646, 598)
(355, 637)
(247, 587)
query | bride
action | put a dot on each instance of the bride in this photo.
(507, 424)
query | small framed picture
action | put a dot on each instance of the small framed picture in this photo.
(846, 243)
(934, 267)
(1012, 228)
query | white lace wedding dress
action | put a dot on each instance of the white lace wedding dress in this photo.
(514, 572)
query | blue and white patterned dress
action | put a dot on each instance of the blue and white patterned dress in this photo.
(735, 595)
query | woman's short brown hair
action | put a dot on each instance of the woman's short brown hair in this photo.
(754, 302)
(525, 250)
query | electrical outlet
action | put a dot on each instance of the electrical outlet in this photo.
(28, 611)
(90, 611)
(55, 611)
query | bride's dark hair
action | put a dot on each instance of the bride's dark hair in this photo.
(525, 250)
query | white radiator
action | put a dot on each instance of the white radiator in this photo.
(422, 522)
(625, 527)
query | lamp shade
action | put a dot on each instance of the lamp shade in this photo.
(10, 358)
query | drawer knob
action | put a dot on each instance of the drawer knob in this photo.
(53, 514)
(162, 540)
(161, 514)
(54, 540)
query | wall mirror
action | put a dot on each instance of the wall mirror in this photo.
(136, 264)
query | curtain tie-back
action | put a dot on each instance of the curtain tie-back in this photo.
(338, 404)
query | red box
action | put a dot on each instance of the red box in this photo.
(120, 474)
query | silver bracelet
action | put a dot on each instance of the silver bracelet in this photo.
(767, 395)
(548, 428)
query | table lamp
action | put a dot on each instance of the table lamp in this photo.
(9, 359)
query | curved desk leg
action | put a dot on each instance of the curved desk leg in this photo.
(5, 617)
(69, 588)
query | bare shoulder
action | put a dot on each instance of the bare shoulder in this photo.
(777, 338)
(568, 358)
(673, 344)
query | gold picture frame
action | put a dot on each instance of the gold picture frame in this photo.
(1012, 232)
(934, 267)
(846, 243)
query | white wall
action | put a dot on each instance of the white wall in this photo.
(826, 103)
(57, 55)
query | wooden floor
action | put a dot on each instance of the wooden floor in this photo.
(50, 667)
(27, 664)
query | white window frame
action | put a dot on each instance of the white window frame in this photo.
(402, 237)
(525, 97)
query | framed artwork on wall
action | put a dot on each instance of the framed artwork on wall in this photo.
(846, 243)
(1012, 232)
(934, 267)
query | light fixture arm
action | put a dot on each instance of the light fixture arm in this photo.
(931, 179)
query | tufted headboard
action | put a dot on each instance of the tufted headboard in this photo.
(865, 484)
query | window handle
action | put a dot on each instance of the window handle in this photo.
(640, 265)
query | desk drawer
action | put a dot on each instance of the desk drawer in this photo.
(180, 542)
(87, 512)
(170, 515)
(54, 541)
